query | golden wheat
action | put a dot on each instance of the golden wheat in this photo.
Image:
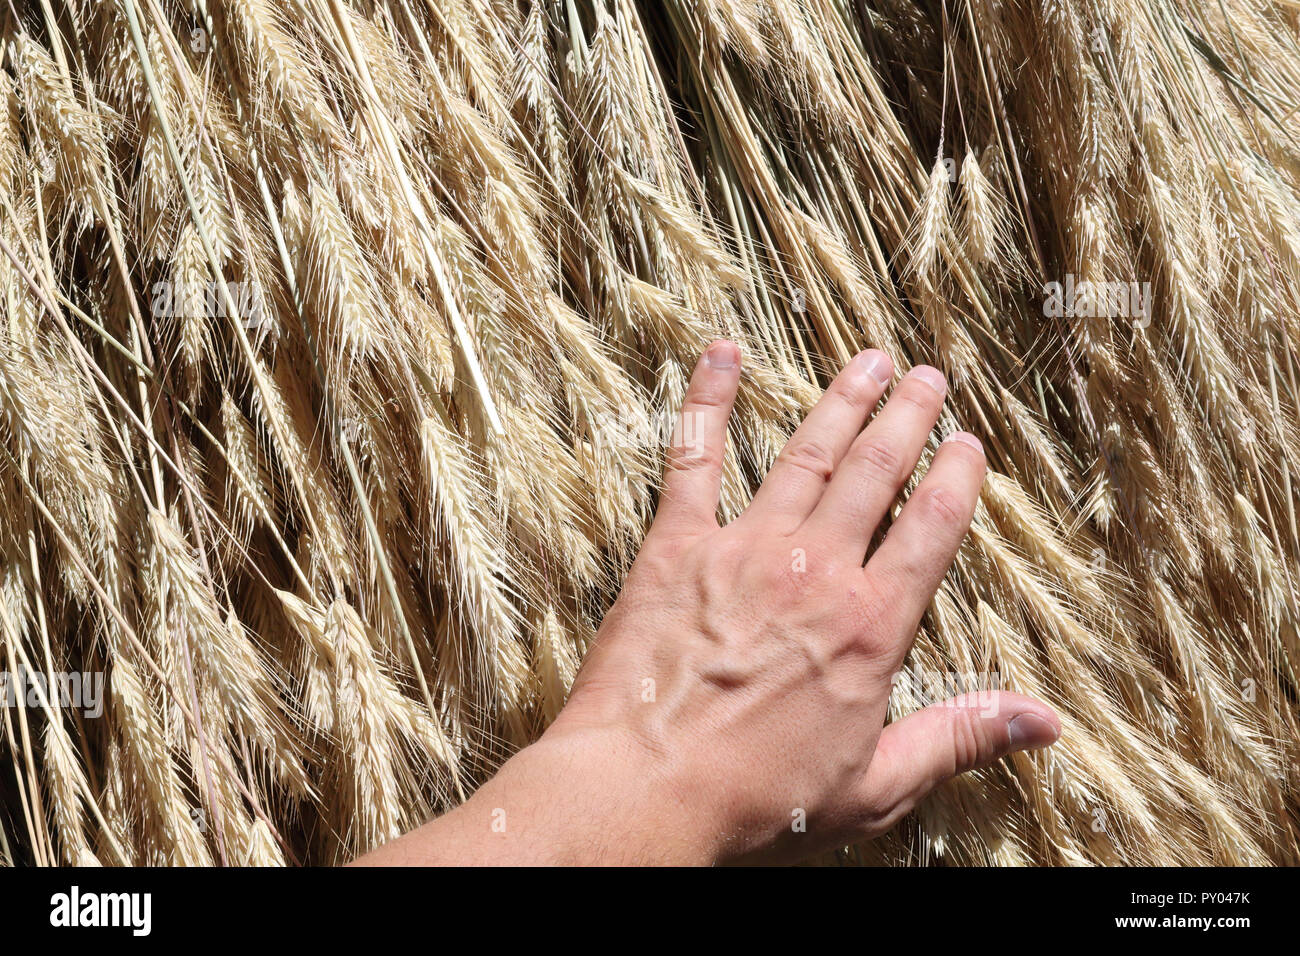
(339, 340)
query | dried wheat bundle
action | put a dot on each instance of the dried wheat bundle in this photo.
(338, 340)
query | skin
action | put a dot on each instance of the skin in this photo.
(732, 707)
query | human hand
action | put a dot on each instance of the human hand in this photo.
(739, 686)
(750, 665)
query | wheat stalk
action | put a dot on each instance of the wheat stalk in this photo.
(338, 340)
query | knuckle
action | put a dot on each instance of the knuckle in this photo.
(880, 459)
(689, 460)
(668, 554)
(659, 556)
(875, 643)
(941, 506)
(866, 614)
(703, 397)
(787, 583)
(970, 744)
(853, 392)
(810, 456)
(784, 572)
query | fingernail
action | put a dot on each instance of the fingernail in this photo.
(722, 355)
(931, 376)
(966, 438)
(1029, 731)
(877, 364)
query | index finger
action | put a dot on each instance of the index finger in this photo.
(693, 471)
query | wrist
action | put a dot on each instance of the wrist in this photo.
(576, 797)
(585, 796)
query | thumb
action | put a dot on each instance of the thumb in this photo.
(916, 754)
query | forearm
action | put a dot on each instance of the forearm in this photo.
(733, 705)
(563, 804)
